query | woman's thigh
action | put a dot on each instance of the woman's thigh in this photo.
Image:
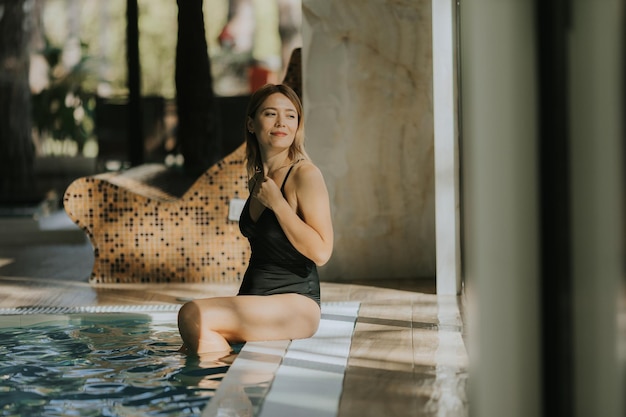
(257, 318)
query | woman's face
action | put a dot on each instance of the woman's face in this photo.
(275, 123)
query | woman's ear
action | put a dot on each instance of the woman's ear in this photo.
(250, 124)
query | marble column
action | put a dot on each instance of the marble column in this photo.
(447, 166)
(367, 87)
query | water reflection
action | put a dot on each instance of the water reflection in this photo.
(103, 365)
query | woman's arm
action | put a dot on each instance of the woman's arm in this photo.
(309, 228)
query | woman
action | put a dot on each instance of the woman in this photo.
(287, 221)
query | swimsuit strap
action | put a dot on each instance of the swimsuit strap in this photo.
(282, 187)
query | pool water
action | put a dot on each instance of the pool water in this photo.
(102, 365)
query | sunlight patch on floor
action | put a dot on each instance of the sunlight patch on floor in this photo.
(6, 261)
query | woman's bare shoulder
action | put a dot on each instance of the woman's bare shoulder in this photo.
(308, 180)
(306, 170)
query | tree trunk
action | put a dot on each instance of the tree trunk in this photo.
(17, 153)
(135, 111)
(198, 119)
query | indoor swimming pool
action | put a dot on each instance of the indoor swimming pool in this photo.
(121, 361)
(105, 363)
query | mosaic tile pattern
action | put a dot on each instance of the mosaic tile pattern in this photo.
(141, 234)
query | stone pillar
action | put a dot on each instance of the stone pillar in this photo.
(447, 184)
(367, 67)
(500, 206)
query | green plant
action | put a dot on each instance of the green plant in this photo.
(65, 109)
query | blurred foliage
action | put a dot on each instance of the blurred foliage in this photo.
(95, 32)
(101, 26)
(65, 108)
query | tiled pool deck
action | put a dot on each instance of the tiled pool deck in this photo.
(407, 354)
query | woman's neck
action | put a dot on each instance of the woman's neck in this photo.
(275, 162)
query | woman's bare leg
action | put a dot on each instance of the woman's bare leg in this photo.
(208, 325)
(197, 336)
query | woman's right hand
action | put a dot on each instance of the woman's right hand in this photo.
(266, 191)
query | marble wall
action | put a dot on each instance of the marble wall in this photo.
(369, 127)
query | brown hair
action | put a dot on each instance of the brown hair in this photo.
(253, 154)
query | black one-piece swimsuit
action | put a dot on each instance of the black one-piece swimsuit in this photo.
(276, 266)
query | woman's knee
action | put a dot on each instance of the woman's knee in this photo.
(189, 318)
(197, 327)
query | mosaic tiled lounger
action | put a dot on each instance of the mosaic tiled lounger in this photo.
(141, 234)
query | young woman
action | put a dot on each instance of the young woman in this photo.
(287, 221)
